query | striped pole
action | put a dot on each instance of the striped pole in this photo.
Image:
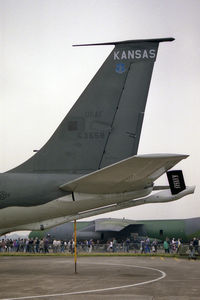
(75, 247)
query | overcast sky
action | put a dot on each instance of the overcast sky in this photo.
(42, 76)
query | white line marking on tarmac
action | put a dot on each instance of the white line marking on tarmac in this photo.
(163, 275)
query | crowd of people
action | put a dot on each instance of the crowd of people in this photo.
(194, 247)
(169, 246)
(45, 245)
(145, 245)
(24, 245)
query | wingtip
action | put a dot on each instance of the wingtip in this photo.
(163, 155)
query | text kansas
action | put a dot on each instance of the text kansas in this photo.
(135, 54)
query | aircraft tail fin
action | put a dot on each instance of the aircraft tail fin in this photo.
(104, 125)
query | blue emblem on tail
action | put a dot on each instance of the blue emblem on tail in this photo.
(120, 68)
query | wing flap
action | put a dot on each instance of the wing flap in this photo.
(136, 172)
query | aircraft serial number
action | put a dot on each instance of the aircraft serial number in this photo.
(93, 114)
(92, 135)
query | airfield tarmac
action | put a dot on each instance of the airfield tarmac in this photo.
(141, 278)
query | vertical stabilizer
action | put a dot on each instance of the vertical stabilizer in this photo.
(104, 125)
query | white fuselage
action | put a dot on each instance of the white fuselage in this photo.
(60, 210)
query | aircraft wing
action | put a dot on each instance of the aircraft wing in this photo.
(136, 172)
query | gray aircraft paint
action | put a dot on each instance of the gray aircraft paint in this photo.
(192, 226)
(102, 128)
(18, 189)
(104, 125)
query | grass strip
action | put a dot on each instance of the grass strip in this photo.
(93, 254)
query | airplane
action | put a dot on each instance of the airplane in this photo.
(90, 164)
(105, 229)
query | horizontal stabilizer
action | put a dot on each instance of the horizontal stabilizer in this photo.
(137, 172)
(170, 39)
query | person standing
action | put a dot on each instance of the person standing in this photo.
(37, 244)
(166, 246)
(195, 244)
(127, 245)
(191, 250)
(46, 245)
(147, 245)
(114, 245)
(142, 246)
(178, 245)
(154, 246)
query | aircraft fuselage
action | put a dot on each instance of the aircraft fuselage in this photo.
(29, 200)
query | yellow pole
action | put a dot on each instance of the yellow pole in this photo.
(75, 246)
